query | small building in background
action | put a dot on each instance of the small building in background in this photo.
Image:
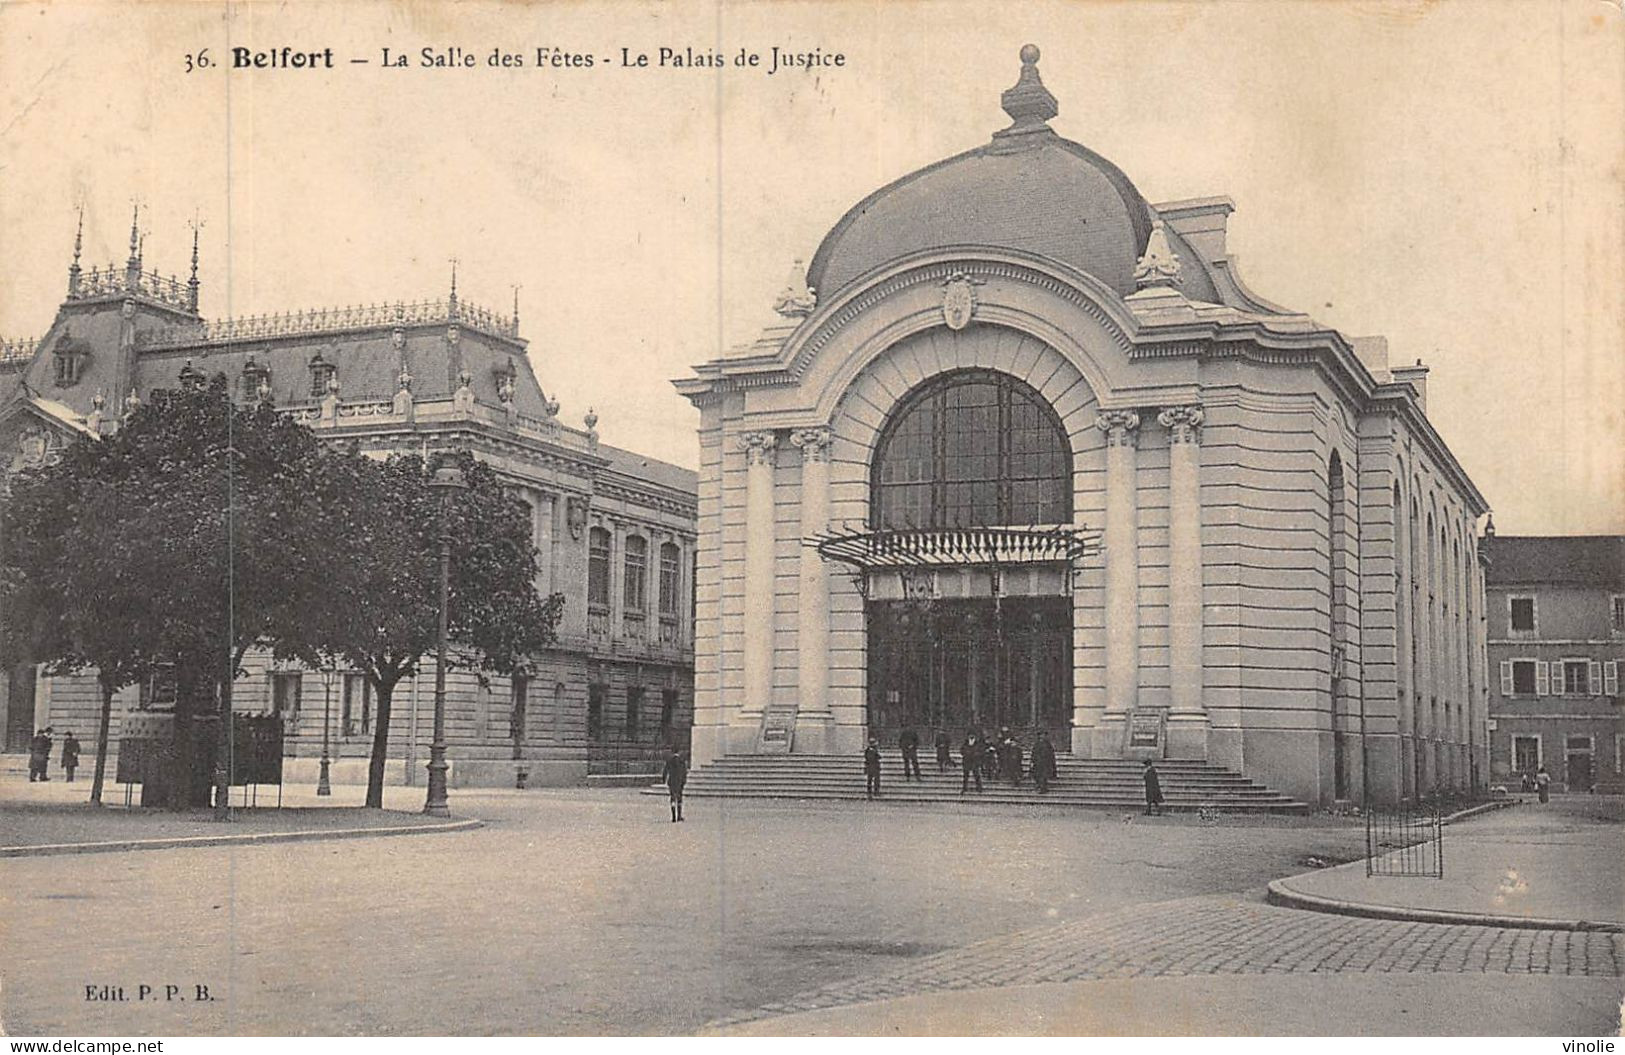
(1556, 630)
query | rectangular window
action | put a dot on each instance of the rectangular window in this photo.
(668, 579)
(636, 567)
(1616, 613)
(286, 686)
(1523, 677)
(1575, 680)
(668, 709)
(634, 704)
(595, 711)
(1610, 678)
(1525, 754)
(598, 568)
(1521, 614)
(355, 708)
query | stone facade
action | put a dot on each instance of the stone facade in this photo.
(1556, 623)
(417, 378)
(1287, 582)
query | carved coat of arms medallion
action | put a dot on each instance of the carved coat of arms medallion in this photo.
(959, 300)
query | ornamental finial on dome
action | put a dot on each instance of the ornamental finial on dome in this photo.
(1159, 266)
(1029, 103)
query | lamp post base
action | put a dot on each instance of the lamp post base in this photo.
(323, 785)
(435, 805)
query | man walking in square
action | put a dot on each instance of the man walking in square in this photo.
(1043, 761)
(1153, 790)
(970, 760)
(910, 743)
(674, 776)
(70, 755)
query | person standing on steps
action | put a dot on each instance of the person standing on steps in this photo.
(970, 760)
(1043, 766)
(70, 755)
(674, 776)
(910, 743)
(945, 744)
(871, 769)
(1153, 790)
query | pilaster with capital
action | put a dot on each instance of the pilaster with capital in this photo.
(1185, 578)
(1122, 559)
(760, 447)
(813, 646)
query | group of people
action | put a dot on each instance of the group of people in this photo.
(979, 757)
(1541, 783)
(39, 755)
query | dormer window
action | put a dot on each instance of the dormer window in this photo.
(70, 364)
(322, 376)
(256, 380)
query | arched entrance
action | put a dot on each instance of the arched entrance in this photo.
(984, 639)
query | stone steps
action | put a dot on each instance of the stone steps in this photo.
(1110, 783)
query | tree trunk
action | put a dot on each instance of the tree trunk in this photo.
(101, 740)
(178, 794)
(380, 742)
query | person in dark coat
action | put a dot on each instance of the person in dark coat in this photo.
(970, 759)
(1043, 766)
(871, 769)
(674, 776)
(910, 743)
(1012, 759)
(945, 758)
(70, 755)
(39, 755)
(36, 756)
(1153, 790)
(991, 757)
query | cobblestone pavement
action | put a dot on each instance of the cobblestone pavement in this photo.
(581, 912)
(1219, 935)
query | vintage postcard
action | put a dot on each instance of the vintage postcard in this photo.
(840, 519)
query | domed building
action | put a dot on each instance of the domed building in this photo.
(1023, 451)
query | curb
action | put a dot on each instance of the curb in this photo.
(257, 839)
(1473, 811)
(1284, 896)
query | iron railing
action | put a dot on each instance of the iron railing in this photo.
(1404, 841)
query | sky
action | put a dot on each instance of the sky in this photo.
(1449, 175)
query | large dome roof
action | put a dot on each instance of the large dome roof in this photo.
(1028, 189)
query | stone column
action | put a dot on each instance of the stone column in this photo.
(813, 722)
(759, 541)
(1122, 580)
(1187, 716)
(542, 531)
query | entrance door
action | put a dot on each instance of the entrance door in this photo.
(1579, 763)
(963, 664)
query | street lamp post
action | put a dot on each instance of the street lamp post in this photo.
(447, 481)
(323, 785)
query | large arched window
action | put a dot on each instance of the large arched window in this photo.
(970, 448)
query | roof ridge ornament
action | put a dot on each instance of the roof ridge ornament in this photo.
(1159, 264)
(797, 299)
(1029, 104)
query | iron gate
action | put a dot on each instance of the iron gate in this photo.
(1404, 841)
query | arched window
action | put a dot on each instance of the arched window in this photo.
(598, 568)
(636, 594)
(970, 448)
(668, 578)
